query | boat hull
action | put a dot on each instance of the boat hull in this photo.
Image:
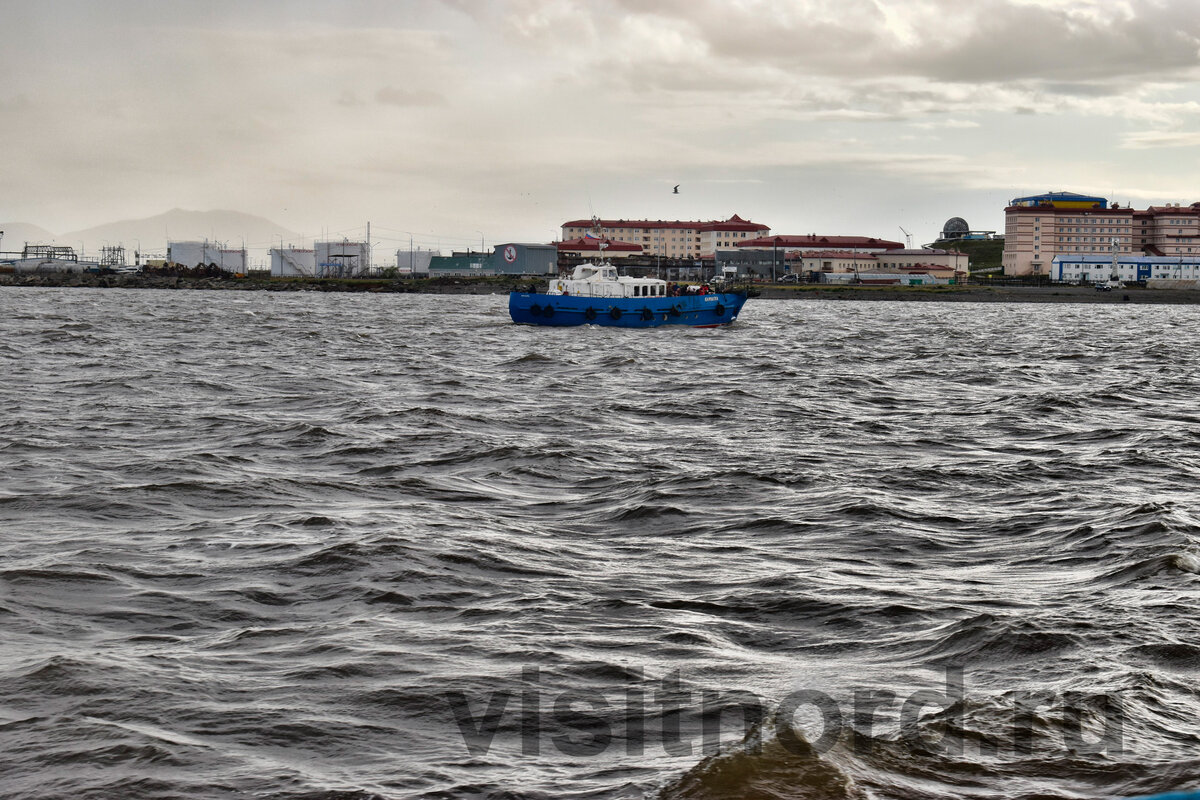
(697, 311)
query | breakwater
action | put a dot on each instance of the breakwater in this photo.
(256, 284)
(500, 284)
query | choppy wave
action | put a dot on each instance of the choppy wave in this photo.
(392, 546)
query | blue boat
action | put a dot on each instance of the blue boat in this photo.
(596, 295)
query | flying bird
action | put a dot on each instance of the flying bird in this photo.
(676, 191)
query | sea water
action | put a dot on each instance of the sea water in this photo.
(339, 546)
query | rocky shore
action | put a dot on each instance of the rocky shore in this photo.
(976, 293)
(489, 285)
(981, 293)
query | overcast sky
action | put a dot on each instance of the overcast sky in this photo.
(457, 120)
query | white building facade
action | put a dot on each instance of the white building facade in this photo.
(1130, 269)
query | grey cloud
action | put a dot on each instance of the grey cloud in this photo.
(1008, 42)
(1145, 140)
(1079, 89)
(405, 97)
(986, 41)
(763, 58)
(19, 102)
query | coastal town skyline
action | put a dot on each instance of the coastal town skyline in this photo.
(454, 123)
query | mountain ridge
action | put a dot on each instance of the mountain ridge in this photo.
(151, 234)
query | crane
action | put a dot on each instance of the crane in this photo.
(907, 236)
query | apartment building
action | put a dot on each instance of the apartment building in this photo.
(670, 239)
(1170, 230)
(1040, 227)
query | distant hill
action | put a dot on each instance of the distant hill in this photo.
(230, 227)
(16, 234)
(152, 233)
(982, 253)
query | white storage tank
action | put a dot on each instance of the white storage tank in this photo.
(204, 254)
(293, 263)
(342, 259)
(414, 262)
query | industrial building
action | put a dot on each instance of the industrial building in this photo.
(48, 258)
(513, 258)
(459, 265)
(344, 259)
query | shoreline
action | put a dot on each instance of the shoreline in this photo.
(972, 293)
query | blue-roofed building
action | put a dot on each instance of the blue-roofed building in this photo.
(1061, 200)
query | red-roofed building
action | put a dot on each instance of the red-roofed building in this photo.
(925, 257)
(857, 244)
(672, 239)
(591, 247)
(834, 261)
